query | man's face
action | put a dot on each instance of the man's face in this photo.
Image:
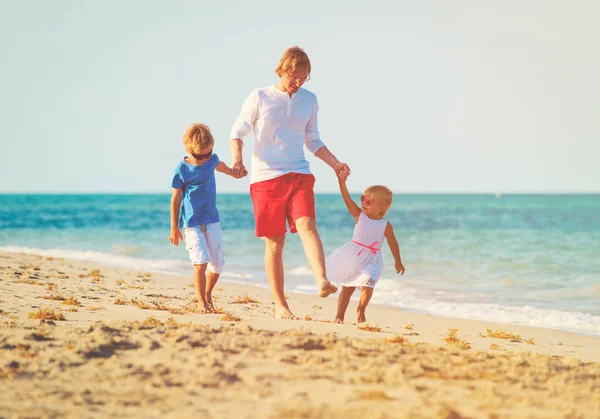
(294, 80)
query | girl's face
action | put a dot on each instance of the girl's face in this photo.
(370, 207)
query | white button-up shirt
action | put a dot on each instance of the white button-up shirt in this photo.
(281, 125)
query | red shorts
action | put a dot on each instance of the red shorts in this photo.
(290, 197)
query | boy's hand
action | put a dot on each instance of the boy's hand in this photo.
(400, 268)
(242, 174)
(175, 236)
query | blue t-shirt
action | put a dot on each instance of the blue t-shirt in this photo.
(199, 192)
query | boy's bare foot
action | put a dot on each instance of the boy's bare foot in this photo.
(284, 313)
(360, 317)
(204, 308)
(326, 289)
(338, 320)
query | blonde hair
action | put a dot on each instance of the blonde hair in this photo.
(380, 194)
(293, 58)
(197, 138)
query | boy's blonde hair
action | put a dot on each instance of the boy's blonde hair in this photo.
(197, 138)
(380, 194)
(293, 58)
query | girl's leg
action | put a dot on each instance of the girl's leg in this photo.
(211, 281)
(365, 297)
(343, 301)
(200, 285)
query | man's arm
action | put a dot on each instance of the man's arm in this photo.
(341, 169)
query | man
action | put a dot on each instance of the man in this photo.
(283, 118)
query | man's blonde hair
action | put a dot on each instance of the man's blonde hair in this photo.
(197, 138)
(381, 195)
(294, 58)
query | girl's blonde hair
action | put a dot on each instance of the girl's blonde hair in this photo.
(197, 138)
(293, 58)
(380, 194)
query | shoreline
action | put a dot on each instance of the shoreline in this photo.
(516, 316)
(139, 329)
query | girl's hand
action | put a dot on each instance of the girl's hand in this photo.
(400, 268)
(342, 171)
(175, 236)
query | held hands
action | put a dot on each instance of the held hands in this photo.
(238, 170)
(400, 268)
(175, 236)
(342, 171)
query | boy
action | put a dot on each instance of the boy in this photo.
(194, 209)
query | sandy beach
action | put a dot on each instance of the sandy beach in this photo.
(82, 340)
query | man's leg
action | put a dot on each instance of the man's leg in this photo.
(313, 248)
(274, 268)
(343, 301)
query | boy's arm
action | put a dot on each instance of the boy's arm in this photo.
(175, 235)
(350, 204)
(394, 247)
(223, 168)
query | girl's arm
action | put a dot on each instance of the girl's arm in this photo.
(223, 168)
(350, 204)
(394, 247)
(175, 235)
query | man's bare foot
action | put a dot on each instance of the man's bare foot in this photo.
(338, 320)
(284, 313)
(360, 317)
(326, 289)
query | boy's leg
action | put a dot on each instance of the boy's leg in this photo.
(365, 297)
(274, 267)
(343, 301)
(214, 244)
(211, 281)
(200, 286)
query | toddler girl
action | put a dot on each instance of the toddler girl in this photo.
(359, 263)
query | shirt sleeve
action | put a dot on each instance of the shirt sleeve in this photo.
(177, 181)
(245, 121)
(312, 139)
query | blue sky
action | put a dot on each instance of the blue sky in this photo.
(431, 96)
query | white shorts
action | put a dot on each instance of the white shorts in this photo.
(205, 245)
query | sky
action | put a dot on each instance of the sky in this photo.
(423, 97)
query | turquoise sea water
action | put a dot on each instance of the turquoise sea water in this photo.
(526, 259)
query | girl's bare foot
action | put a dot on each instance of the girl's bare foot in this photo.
(360, 317)
(338, 320)
(326, 289)
(211, 306)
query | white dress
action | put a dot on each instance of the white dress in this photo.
(359, 263)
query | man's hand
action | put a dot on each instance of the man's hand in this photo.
(238, 170)
(342, 171)
(175, 236)
(400, 268)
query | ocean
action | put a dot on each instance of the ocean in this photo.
(517, 259)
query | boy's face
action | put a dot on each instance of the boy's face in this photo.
(202, 156)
